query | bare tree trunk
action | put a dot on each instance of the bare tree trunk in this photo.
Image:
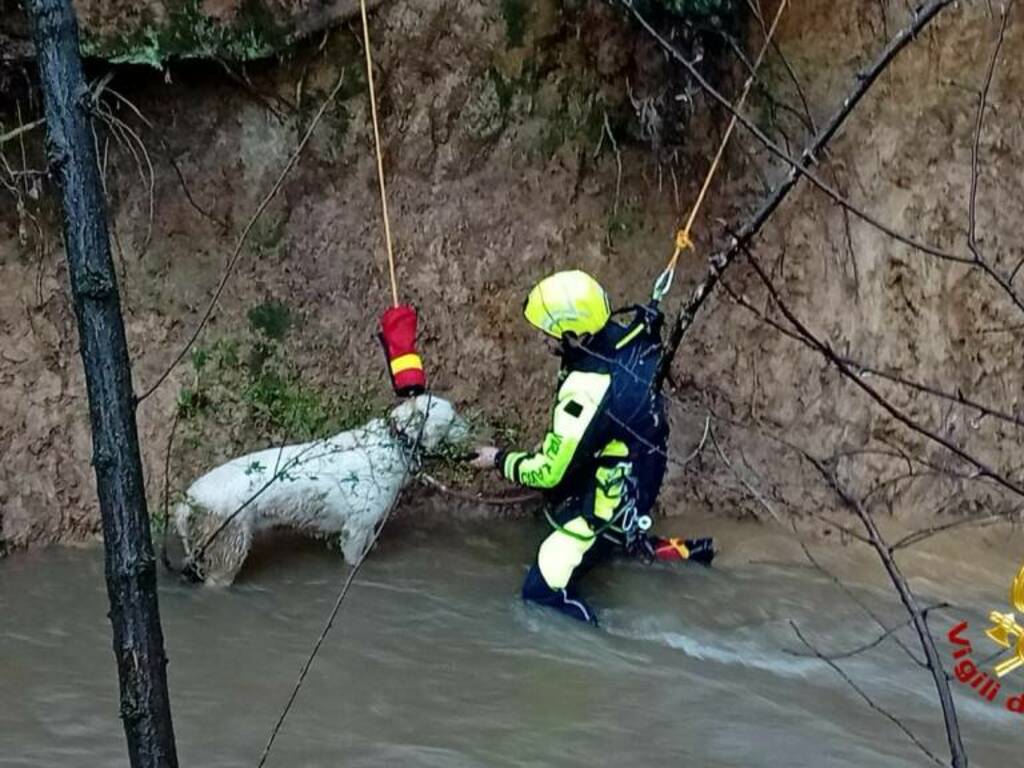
(130, 565)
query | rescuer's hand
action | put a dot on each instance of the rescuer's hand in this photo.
(485, 457)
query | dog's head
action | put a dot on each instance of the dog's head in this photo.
(429, 421)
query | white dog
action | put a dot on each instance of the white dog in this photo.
(343, 485)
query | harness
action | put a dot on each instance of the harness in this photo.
(631, 417)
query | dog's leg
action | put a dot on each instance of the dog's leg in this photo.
(226, 551)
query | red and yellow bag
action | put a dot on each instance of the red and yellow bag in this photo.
(398, 335)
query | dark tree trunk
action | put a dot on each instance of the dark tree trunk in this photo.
(130, 565)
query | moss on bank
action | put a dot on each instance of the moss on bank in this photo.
(188, 33)
(247, 389)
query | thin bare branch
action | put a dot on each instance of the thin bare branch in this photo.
(956, 748)
(864, 369)
(926, 533)
(479, 498)
(756, 494)
(837, 361)
(867, 699)
(972, 205)
(721, 261)
(20, 131)
(236, 254)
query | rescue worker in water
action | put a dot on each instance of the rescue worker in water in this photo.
(602, 462)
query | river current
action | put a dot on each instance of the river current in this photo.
(434, 661)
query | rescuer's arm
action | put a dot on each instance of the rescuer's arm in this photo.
(571, 434)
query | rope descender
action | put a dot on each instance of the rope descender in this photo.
(399, 322)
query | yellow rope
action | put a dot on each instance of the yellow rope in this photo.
(380, 157)
(683, 241)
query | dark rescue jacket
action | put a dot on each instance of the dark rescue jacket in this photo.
(608, 410)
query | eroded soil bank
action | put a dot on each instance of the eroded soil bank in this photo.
(522, 138)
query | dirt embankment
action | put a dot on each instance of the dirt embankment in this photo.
(521, 138)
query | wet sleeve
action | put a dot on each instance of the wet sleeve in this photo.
(580, 399)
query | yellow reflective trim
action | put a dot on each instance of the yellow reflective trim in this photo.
(611, 487)
(560, 554)
(579, 399)
(615, 448)
(405, 363)
(508, 470)
(680, 547)
(605, 506)
(630, 336)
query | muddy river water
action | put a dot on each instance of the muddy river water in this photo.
(435, 662)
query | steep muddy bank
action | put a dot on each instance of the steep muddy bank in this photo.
(522, 138)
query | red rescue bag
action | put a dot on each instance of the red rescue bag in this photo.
(398, 334)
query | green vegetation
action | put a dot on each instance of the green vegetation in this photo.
(622, 222)
(515, 13)
(188, 32)
(267, 236)
(272, 319)
(249, 389)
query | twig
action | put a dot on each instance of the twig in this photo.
(829, 354)
(756, 10)
(169, 154)
(167, 489)
(236, 254)
(864, 647)
(479, 498)
(758, 496)
(721, 261)
(854, 598)
(20, 130)
(856, 651)
(918, 536)
(867, 699)
(844, 529)
(704, 438)
(130, 139)
(773, 101)
(254, 94)
(863, 368)
(956, 748)
(972, 240)
(618, 162)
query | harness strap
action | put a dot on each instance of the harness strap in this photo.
(610, 525)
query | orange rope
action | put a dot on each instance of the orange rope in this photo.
(683, 241)
(380, 157)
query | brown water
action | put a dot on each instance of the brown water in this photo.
(435, 662)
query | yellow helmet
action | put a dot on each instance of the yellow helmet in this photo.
(572, 302)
